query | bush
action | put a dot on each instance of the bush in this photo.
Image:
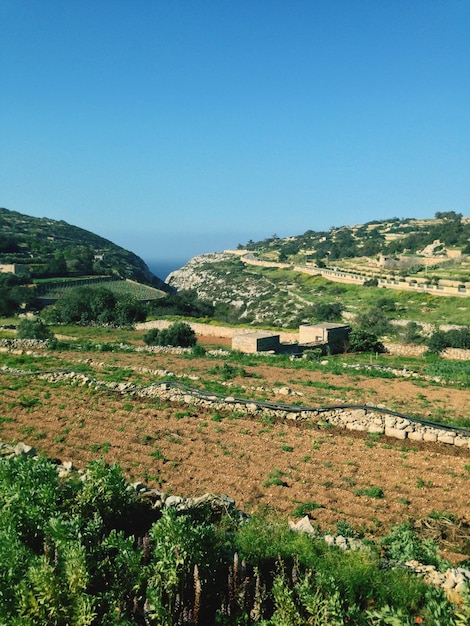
(184, 303)
(374, 320)
(90, 552)
(96, 305)
(403, 544)
(411, 334)
(33, 328)
(178, 334)
(455, 338)
(328, 311)
(362, 340)
(14, 294)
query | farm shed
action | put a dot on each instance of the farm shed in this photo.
(255, 342)
(13, 268)
(325, 333)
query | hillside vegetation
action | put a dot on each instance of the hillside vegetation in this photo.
(394, 237)
(49, 248)
(278, 282)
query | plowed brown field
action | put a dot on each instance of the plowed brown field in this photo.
(189, 451)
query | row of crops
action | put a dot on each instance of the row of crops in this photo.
(56, 290)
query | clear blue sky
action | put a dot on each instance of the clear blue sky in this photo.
(176, 127)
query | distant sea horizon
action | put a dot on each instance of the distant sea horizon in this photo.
(162, 267)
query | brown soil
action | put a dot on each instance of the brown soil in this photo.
(190, 451)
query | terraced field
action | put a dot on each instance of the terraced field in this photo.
(372, 483)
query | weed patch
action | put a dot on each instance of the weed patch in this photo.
(371, 492)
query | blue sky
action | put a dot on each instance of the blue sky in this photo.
(176, 127)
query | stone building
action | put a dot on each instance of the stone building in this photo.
(332, 336)
(13, 268)
(256, 342)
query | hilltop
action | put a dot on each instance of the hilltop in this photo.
(47, 248)
(444, 237)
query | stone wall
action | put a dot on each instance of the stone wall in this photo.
(403, 349)
(443, 288)
(366, 419)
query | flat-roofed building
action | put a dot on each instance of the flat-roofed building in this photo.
(253, 342)
(325, 333)
(13, 268)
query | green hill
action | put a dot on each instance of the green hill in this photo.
(402, 267)
(448, 231)
(50, 249)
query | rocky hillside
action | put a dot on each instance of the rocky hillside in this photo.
(329, 276)
(240, 293)
(49, 248)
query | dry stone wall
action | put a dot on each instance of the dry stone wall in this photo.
(375, 420)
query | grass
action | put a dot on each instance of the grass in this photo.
(4, 419)
(104, 447)
(305, 508)
(421, 484)
(158, 455)
(275, 478)
(28, 402)
(371, 492)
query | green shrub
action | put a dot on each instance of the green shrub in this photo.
(363, 340)
(303, 509)
(33, 328)
(179, 334)
(95, 305)
(403, 544)
(454, 338)
(371, 492)
(29, 496)
(80, 553)
(105, 492)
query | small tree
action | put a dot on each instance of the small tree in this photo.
(411, 334)
(437, 342)
(179, 334)
(33, 328)
(362, 340)
(327, 311)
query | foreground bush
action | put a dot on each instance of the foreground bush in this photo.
(77, 552)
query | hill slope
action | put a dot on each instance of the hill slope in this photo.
(285, 282)
(448, 231)
(50, 248)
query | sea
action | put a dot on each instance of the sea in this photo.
(163, 267)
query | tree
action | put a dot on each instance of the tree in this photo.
(374, 320)
(96, 305)
(437, 342)
(455, 338)
(14, 294)
(33, 328)
(411, 333)
(327, 311)
(178, 334)
(362, 340)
